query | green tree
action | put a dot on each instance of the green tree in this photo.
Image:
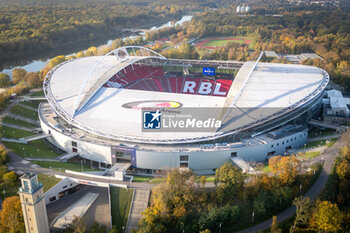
(229, 181)
(5, 80)
(10, 178)
(11, 217)
(304, 207)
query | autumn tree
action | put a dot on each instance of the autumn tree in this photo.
(5, 80)
(10, 178)
(274, 225)
(11, 217)
(18, 75)
(285, 168)
(3, 155)
(326, 217)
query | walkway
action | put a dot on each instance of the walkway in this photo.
(139, 204)
(23, 118)
(329, 155)
(17, 127)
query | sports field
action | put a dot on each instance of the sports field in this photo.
(219, 42)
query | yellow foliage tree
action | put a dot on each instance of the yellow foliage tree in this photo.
(11, 217)
(326, 217)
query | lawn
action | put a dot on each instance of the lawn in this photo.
(209, 179)
(48, 181)
(13, 121)
(8, 132)
(310, 155)
(157, 180)
(120, 206)
(38, 94)
(32, 103)
(266, 168)
(34, 149)
(61, 166)
(25, 112)
(141, 178)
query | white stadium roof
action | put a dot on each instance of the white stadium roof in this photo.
(76, 93)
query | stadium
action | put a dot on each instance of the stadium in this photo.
(134, 106)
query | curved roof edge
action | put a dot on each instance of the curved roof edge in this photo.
(124, 56)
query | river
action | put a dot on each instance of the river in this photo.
(38, 64)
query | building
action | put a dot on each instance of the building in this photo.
(135, 106)
(33, 204)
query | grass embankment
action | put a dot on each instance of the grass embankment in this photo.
(32, 103)
(61, 166)
(48, 181)
(34, 149)
(309, 155)
(8, 132)
(327, 143)
(37, 94)
(120, 206)
(24, 112)
(13, 121)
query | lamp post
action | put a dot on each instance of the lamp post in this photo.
(220, 227)
(81, 163)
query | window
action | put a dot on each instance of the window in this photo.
(291, 139)
(52, 198)
(49, 131)
(283, 142)
(272, 146)
(278, 144)
(26, 200)
(288, 147)
(183, 164)
(64, 187)
(183, 157)
(214, 169)
(287, 141)
(295, 138)
(233, 154)
(74, 150)
(74, 144)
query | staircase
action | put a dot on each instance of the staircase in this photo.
(242, 164)
(139, 204)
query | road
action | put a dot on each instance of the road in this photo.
(329, 155)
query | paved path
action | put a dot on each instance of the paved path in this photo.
(17, 127)
(323, 138)
(329, 156)
(23, 118)
(27, 107)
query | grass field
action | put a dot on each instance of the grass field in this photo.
(120, 206)
(48, 181)
(25, 112)
(33, 103)
(63, 166)
(8, 132)
(34, 149)
(221, 41)
(13, 121)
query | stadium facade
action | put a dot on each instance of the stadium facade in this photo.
(127, 106)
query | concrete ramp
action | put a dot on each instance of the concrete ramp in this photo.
(78, 209)
(338, 128)
(67, 156)
(139, 204)
(35, 137)
(242, 164)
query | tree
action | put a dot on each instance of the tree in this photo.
(97, 228)
(77, 226)
(343, 170)
(10, 178)
(3, 155)
(11, 217)
(274, 225)
(18, 75)
(33, 79)
(326, 217)
(203, 181)
(304, 207)
(230, 181)
(5, 80)
(274, 164)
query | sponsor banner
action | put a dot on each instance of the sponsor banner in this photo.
(208, 71)
(214, 119)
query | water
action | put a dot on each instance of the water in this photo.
(38, 64)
